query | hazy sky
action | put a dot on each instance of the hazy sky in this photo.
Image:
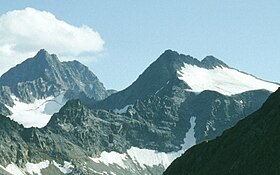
(119, 39)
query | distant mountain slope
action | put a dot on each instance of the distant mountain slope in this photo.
(250, 147)
(42, 84)
(160, 75)
(44, 75)
(188, 73)
(82, 137)
(164, 99)
(177, 87)
(139, 130)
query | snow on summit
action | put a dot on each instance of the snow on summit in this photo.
(222, 79)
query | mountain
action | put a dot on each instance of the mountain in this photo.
(72, 141)
(177, 89)
(250, 147)
(183, 71)
(42, 84)
(177, 102)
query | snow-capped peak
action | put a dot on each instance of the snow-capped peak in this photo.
(222, 79)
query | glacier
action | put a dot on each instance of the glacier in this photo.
(227, 81)
(38, 113)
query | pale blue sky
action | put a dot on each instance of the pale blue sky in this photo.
(244, 34)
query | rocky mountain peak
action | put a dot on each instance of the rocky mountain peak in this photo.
(43, 55)
(44, 75)
(212, 62)
(30, 69)
(175, 60)
(161, 75)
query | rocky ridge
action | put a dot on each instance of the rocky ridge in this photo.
(44, 77)
(153, 113)
(250, 147)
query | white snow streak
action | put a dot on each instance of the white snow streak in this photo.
(224, 80)
(147, 157)
(123, 110)
(111, 158)
(14, 169)
(30, 168)
(66, 168)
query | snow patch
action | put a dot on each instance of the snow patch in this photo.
(96, 172)
(36, 114)
(189, 139)
(147, 157)
(14, 169)
(66, 168)
(210, 124)
(123, 110)
(30, 168)
(223, 80)
(111, 158)
(91, 86)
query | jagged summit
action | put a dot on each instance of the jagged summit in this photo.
(44, 78)
(43, 55)
(176, 60)
(160, 76)
(212, 62)
(173, 57)
(170, 68)
(30, 69)
(44, 75)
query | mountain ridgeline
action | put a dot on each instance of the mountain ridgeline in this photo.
(45, 78)
(135, 131)
(250, 147)
(160, 96)
(44, 75)
(158, 79)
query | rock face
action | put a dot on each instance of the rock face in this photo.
(44, 75)
(250, 147)
(161, 75)
(163, 98)
(39, 81)
(126, 133)
(75, 134)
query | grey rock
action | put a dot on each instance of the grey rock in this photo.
(158, 118)
(44, 75)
